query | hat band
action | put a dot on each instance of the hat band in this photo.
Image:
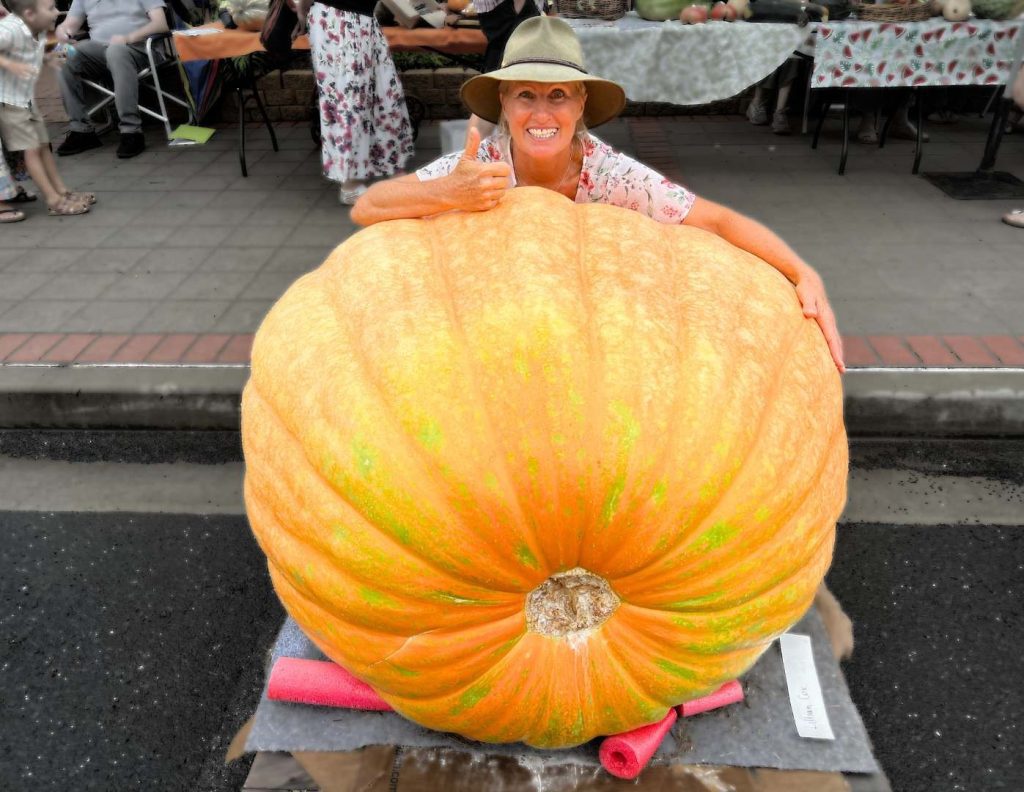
(552, 61)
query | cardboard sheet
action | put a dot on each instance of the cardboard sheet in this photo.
(757, 733)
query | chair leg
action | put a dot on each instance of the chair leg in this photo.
(263, 111)
(156, 87)
(241, 130)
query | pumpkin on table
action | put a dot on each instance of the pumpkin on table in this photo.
(541, 473)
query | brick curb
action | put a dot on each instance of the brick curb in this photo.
(951, 401)
(220, 349)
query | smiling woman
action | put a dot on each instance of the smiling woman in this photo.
(544, 102)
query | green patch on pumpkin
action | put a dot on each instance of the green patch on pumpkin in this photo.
(377, 599)
(658, 495)
(471, 697)
(431, 436)
(365, 459)
(611, 503)
(455, 599)
(526, 556)
(714, 537)
(676, 670)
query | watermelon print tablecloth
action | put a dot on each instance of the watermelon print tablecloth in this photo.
(911, 54)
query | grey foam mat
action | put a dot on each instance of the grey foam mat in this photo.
(760, 732)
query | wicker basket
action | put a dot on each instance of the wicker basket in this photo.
(894, 12)
(591, 9)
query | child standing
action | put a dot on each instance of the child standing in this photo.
(22, 36)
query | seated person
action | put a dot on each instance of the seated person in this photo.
(544, 101)
(116, 47)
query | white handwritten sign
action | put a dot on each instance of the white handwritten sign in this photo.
(804, 688)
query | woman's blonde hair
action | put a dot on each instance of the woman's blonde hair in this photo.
(581, 91)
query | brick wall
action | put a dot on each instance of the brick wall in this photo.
(288, 96)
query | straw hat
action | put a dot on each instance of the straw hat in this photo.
(544, 49)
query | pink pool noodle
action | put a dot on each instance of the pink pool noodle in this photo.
(729, 693)
(322, 683)
(625, 755)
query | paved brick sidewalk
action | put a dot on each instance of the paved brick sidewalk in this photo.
(182, 256)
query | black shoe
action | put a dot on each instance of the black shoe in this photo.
(132, 144)
(77, 142)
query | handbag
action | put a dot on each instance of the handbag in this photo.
(798, 12)
(276, 35)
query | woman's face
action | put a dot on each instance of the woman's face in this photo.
(542, 117)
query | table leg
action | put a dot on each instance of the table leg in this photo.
(995, 131)
(846, 133)
(824, 106)
(263, 111)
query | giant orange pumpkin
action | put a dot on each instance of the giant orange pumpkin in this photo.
(543, 472)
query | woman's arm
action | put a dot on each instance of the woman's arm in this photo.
(751, 236)
(472, 186)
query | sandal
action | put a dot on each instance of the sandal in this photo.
(1014, 218)
(22, 197)
(81, 197)
(8, 215)
(66, 208)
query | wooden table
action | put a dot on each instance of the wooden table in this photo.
(237, 43)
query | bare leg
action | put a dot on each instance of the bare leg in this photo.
(757, 112)
(39, 174)
(837, 623)
(50, 165)
(780, 119)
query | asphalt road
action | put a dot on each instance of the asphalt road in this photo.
(132, 642)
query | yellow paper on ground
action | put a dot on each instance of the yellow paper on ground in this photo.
(197, 133)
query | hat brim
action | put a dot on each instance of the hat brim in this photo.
(605, 99)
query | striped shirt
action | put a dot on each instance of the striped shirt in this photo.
(18, 44)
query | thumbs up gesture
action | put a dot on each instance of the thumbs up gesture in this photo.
(477, 186)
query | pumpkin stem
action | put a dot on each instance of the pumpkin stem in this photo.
(569, 602)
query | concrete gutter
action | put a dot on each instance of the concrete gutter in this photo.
(121, 397)
(920, 402)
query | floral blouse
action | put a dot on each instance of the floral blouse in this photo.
(608, 176)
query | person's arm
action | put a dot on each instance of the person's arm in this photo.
(69, 28)
(16, 68)
(301, 11)
(751, 236)
(157, 24)
(473, 186)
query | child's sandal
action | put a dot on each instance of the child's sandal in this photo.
(81, 197)
(67, 208)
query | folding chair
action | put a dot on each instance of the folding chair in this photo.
(160, 54)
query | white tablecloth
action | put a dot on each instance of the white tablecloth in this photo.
(684, 64)
(910, 54)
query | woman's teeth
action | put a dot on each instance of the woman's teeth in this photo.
(542, 133)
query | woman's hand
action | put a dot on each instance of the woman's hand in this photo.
(811, 292)
(301, 11)
(476, 186)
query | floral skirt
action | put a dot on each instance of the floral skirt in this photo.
(364, 124)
